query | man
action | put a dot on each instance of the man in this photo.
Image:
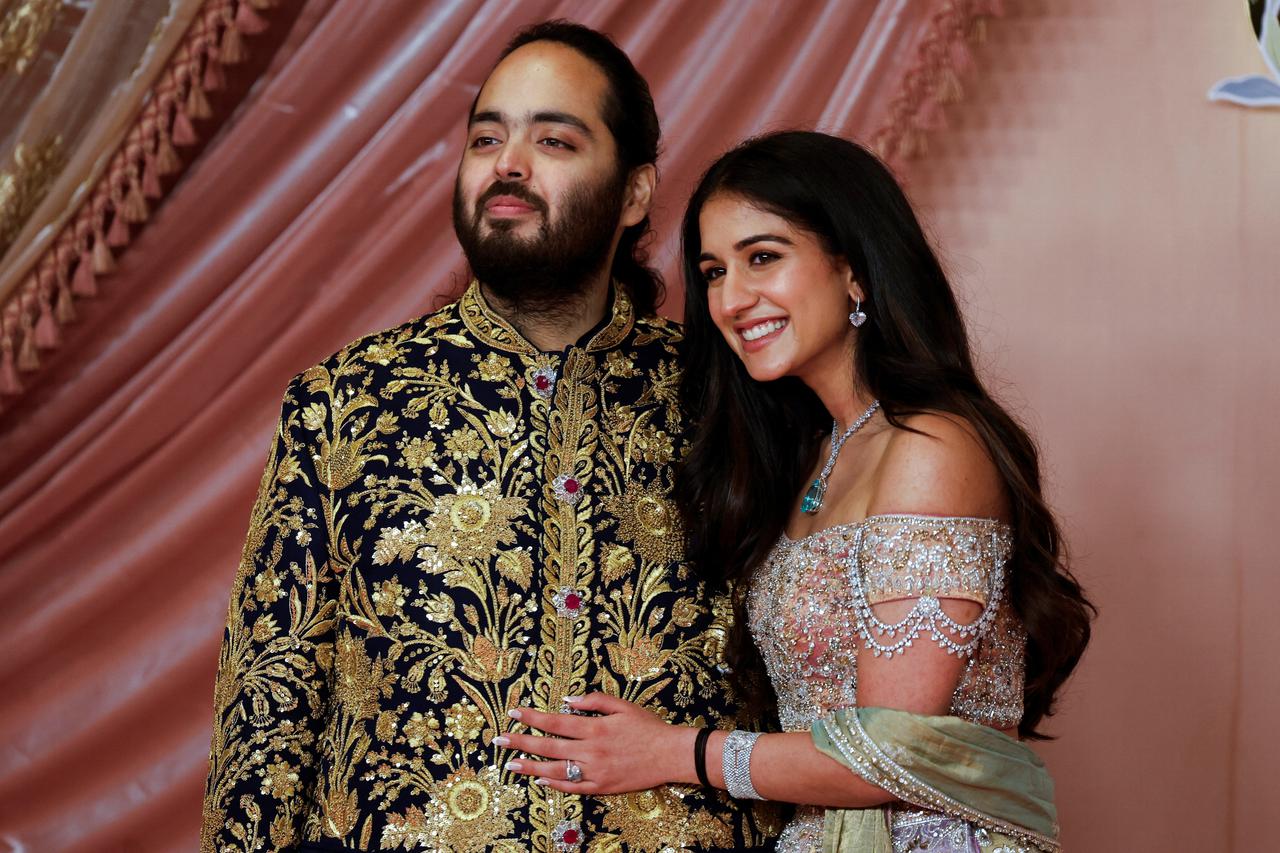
(471, 512)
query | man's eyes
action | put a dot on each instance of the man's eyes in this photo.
(548, 142)
(552, 142)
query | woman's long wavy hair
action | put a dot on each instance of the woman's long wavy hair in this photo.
(754, 443)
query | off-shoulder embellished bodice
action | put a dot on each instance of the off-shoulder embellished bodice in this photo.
(810, 612)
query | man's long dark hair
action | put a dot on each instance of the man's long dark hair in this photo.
(629, 114)
(755, 443)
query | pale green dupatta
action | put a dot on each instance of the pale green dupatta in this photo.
(945, 764)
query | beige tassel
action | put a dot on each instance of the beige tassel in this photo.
(248, 21)
(10, 383)
(83, 282)
(48, 335)
(978, 32)
(231, 51)
(167, 160)
(197, 103)
(134, 208)
(183, 132)
(104, 262)
(28, 357)
(64, 310)
(118, 233)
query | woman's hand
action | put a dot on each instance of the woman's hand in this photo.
(625, 748)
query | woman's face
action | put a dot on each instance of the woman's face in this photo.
(778, 298)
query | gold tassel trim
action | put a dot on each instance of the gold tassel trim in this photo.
(28, 357)
(83, 282)
(64, 309)
(37, 313)
(104, 263)
(231, 51)
(197, 103)
(10, 383)
(167, 160)
(134, 209)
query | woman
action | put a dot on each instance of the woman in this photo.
(880, 516)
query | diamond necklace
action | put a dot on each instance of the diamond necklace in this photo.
(812, 501)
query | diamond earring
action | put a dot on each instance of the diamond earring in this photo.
(858, 317)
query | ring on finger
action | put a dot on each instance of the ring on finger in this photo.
(572, 771)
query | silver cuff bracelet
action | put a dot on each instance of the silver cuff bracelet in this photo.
(737, 764)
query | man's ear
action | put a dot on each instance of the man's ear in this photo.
(639, 197)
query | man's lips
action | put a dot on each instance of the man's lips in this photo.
(506, 205)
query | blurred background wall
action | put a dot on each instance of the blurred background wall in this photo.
(1117, 238)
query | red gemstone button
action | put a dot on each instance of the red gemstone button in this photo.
(542, 383)
(570, 836)
(571, 486)
(572, 601)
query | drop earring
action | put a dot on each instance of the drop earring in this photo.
(858, 317)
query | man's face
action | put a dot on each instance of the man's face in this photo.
(539, 194)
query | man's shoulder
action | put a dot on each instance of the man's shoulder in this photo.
(655, 328)
(415, 341)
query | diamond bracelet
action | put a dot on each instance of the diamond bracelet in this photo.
(737, 764)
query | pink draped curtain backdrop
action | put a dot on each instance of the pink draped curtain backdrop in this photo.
(319, 214)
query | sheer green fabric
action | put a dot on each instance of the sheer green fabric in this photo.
(963, 770)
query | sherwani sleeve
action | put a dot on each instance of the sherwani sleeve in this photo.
(272, 690)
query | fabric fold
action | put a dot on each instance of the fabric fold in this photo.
(962, 770)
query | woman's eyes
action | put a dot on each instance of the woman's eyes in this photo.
(755, 259)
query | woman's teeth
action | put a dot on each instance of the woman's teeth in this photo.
(765, 328)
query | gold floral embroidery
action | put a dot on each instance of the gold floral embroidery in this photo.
(400, 584)
(467, 813)
(656, 820)
(650, 521)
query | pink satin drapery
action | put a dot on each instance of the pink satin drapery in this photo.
(320, 214)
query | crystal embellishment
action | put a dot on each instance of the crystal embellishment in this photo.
(568, 602)
(567, 489)
(543, 382)
(567, 836)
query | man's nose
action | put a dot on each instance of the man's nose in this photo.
(513, 163)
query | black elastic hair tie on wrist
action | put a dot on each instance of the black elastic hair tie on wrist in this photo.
(700, 756)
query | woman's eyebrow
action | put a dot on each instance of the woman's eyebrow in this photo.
(761, 238)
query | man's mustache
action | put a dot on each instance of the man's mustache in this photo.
(514, 190)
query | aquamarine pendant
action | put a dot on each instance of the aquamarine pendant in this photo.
(812, 501)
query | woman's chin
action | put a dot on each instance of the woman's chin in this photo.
(765, 372)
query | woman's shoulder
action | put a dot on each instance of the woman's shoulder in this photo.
(936, 463)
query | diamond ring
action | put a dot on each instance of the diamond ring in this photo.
(572, 771)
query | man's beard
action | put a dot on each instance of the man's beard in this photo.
(546, 274)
